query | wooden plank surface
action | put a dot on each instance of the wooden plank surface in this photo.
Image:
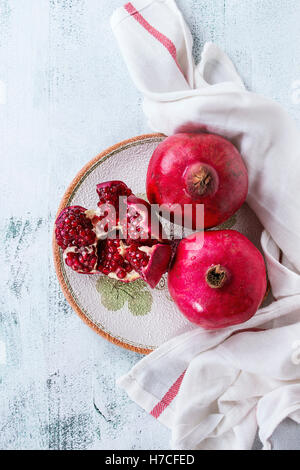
(65, 95)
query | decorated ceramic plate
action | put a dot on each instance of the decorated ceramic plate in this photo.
(131, 315)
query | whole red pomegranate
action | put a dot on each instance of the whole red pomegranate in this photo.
(219, 284)
(122, 244)
(197, 169)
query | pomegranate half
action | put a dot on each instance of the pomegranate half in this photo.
(219, 284)
(197, 169)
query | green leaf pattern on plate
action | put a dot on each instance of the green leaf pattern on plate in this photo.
(115, 294)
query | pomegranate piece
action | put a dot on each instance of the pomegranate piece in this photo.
(150, 262)
(83, 260)
(140, 225)
(110, 191)
(75, 234)
(112, 262)
(106, 218)
(73, 228)
(130, 215)
(219, 284)
(197, 169)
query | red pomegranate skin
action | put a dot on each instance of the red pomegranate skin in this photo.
(238, 299)
(175, 176)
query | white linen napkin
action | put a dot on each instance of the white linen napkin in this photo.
(212, 389)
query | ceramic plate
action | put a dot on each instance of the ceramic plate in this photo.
(130, 315)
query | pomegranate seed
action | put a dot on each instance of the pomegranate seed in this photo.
(121, 274)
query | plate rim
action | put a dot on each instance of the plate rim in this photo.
(56, 249)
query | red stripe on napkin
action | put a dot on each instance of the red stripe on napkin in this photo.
(164, 40)
(167, 398)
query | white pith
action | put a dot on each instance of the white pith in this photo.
(132, 276)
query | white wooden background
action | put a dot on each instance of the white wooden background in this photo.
(65, 95)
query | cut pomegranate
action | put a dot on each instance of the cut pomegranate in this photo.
(112, 262)
(140, 225)
(104, 220)
(130, 215)
(151, 262)
(73, 228)
(75, 234)
(110, 192)
(122, 241)
(83, 260)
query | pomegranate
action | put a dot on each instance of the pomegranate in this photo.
(146, 259)
(75, 234)
(219, 284)
(112, 261)
(73, 228)
(139, 224)
(137, 249)
(197, 169)
(110, 191)
(83, 260)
